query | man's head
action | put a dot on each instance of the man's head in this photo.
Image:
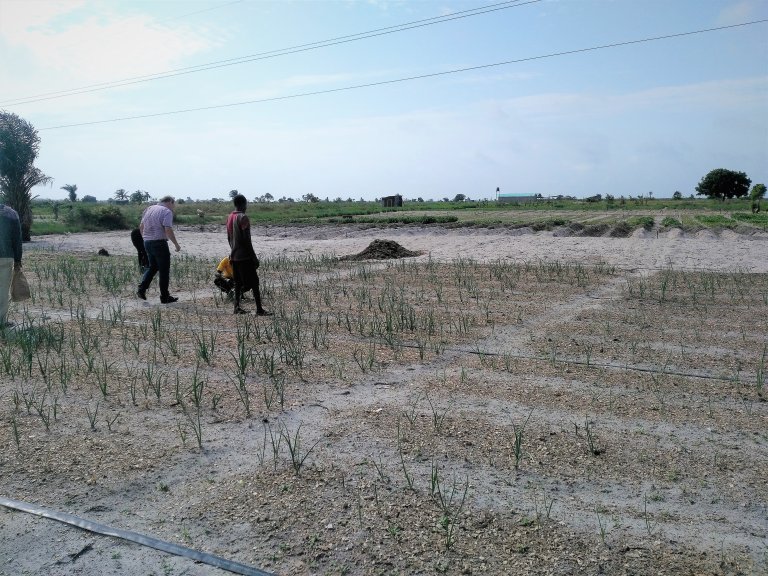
(168, 202)
(240, 202)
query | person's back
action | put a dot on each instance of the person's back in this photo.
(10, 255)
(10, 233)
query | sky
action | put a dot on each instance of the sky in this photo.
(364, 99)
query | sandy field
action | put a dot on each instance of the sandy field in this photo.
(508, 402)
(705, 249)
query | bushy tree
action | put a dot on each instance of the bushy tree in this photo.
(19, 146)
(677, 195)
(138, 196)
(89, 198)
(756, 194)
(722, 183)
(71, 191)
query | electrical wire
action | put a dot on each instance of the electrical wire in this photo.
(409, 78)
(270, 54)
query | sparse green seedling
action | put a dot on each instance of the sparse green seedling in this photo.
(450, 509)
(16, 437)
(408, 476)
(92, 415)
(438, 417)
(650, 526)
(543, 507)
(410, 413)
(591, 442)
(110, 421)
(602, 526)
(294, 448)
(517, 445)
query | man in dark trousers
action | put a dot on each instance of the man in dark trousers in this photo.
(157, 229)
(243, 257)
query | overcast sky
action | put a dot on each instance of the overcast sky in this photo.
(626, 120)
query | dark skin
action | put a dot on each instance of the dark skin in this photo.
(241, 205)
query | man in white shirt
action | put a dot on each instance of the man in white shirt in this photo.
(157, 229)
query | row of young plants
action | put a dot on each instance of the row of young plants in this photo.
(101, 362)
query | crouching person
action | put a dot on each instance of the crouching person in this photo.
(224, 278)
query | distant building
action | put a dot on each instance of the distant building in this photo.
(395, 201)
(517, 198)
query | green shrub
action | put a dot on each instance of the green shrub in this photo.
(645, 222)
(426, 219)
(670, 222)
(717, 221)
(96, 219)
(41, 227)
(756, 219)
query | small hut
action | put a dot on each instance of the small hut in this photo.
(395, 201)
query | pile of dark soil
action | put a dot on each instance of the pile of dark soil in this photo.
(594, 230)
(382, 250)
(621, 230)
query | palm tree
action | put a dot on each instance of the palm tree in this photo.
(72, 190)
(19, 146)
(121, 194)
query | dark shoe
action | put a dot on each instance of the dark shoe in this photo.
(263, 313)
(169, 300)
(141, 293)
(240, 311)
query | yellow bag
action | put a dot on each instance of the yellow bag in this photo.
(19, 286)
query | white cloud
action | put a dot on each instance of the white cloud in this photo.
(737, 12)
(62, 45)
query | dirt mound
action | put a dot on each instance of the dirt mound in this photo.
(594, 230)
(382, 250)
(621, 230)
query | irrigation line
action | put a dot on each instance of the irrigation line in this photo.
(135, 537)
(568, 361)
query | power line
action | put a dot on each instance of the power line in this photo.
(270, 54)
(409, 78)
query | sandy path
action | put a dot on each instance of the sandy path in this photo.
(704, 250)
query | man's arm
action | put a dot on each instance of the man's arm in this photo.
(172, 237)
